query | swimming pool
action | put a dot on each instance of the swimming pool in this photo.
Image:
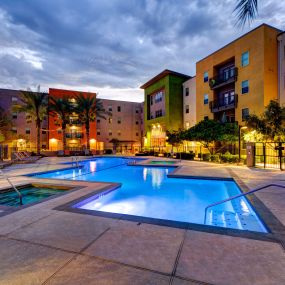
(148, 192)
(30, 194)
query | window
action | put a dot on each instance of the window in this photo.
(119, 133)
(137, 122)
(244, 87)
(110, 120)
(110, 109)
(187, 109)
(206, 76)
(119, 108)
(28, 131)
(14, 99)
(186, 91)
(206, 117)
(98, 132)
(14, 115)
(244, 113)
(187, 125)
(14, 130)
(110, 132)
(245, 59)
(206, 99)
(137, 110)
(119, 121)
(44, 132)
(158, 113)
(98, 121)
(44, 146)
(137, 134)
(59, 132)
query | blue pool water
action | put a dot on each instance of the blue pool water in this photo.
(148, 192)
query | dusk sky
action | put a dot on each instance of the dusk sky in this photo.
(113, 46)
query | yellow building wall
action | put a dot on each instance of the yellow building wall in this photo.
(261, 72)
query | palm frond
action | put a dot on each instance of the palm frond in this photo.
(246, 11)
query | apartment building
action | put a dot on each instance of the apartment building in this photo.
(163, 106)
(23, 133)
(281, 68)
(125, 126)
(189, 103)
(239, 79)
(75, 131)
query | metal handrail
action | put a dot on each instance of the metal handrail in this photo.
(239, 195)
(14, 187)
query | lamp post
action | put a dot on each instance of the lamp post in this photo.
(239, 140)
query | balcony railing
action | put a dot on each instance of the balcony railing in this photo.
(75, 122)
(226, 77)
(224, 103)
(74, 135)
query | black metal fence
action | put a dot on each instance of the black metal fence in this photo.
(270, 155)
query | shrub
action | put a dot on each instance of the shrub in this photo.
(215, 158)
(108, 151)
(206, 156)
(229, 158)
(187, 155)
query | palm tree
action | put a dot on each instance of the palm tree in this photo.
(89, 108)
(5, 123)
(246, 11)
(61, 108)
(35, 105)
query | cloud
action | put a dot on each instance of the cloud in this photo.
(113, 46)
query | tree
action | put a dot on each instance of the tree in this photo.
(246, 11)
(33, 104)
(115, 143)
(5, 123)
(89, 108)
(61, 109)
(271, 124)
(207, 132)
(174, 138)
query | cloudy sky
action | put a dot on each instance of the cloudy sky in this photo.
(113, 46)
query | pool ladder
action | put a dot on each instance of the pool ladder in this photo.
(237, 196)
(13, 186)
(75, 160)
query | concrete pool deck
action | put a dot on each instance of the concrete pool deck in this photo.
(41, 245)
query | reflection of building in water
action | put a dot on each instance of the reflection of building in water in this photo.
(156, 175)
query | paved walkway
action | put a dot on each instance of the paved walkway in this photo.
(41, 245)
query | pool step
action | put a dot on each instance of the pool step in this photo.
(227, 219)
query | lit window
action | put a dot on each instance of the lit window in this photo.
(244, 113)
(206, 76)
(244, 87)
(110, 120)
(206, 99)
(187, 125)
(187, 109)
(245, 59)
(186, 91)
(119, 133)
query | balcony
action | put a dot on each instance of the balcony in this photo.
(228, 76)
(74, 135)
(75, 122)
(224, 103)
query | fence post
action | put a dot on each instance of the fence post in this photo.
(264, 155)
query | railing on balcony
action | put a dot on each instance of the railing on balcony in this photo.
(228, 76)
(224, 103)
(74, 135)
(75, 122)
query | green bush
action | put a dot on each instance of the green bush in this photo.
(206, 156)
(215, 158)
(187, 155)
(229, 158)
